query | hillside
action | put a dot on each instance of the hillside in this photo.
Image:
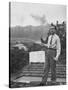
(30, 32)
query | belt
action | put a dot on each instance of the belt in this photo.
(52, 48)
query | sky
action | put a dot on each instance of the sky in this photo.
(23, 14)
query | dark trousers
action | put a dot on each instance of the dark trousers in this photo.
(50, 63)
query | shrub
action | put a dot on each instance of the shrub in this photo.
(18, 59)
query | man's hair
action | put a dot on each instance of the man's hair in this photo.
(53, 27)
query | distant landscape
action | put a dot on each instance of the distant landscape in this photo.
(29, 32)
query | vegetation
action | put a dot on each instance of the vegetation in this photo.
(18, 59)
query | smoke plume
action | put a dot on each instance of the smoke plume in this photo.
(40, 19)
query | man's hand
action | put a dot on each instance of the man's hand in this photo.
(44, 45)
(56, 58)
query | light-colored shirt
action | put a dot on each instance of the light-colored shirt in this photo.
(55, 43)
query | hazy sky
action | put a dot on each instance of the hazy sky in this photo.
(21, 13)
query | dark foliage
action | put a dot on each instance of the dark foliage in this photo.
(18, 59)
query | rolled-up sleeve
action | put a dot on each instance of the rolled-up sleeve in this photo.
(58, 47)
(48, 43)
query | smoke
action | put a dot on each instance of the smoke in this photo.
(40, 19)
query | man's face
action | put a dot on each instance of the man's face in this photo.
(52, 31)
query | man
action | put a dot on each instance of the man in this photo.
(52, 55)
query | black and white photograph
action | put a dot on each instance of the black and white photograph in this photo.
(37, 44)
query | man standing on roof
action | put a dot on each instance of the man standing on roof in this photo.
(52, 54)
